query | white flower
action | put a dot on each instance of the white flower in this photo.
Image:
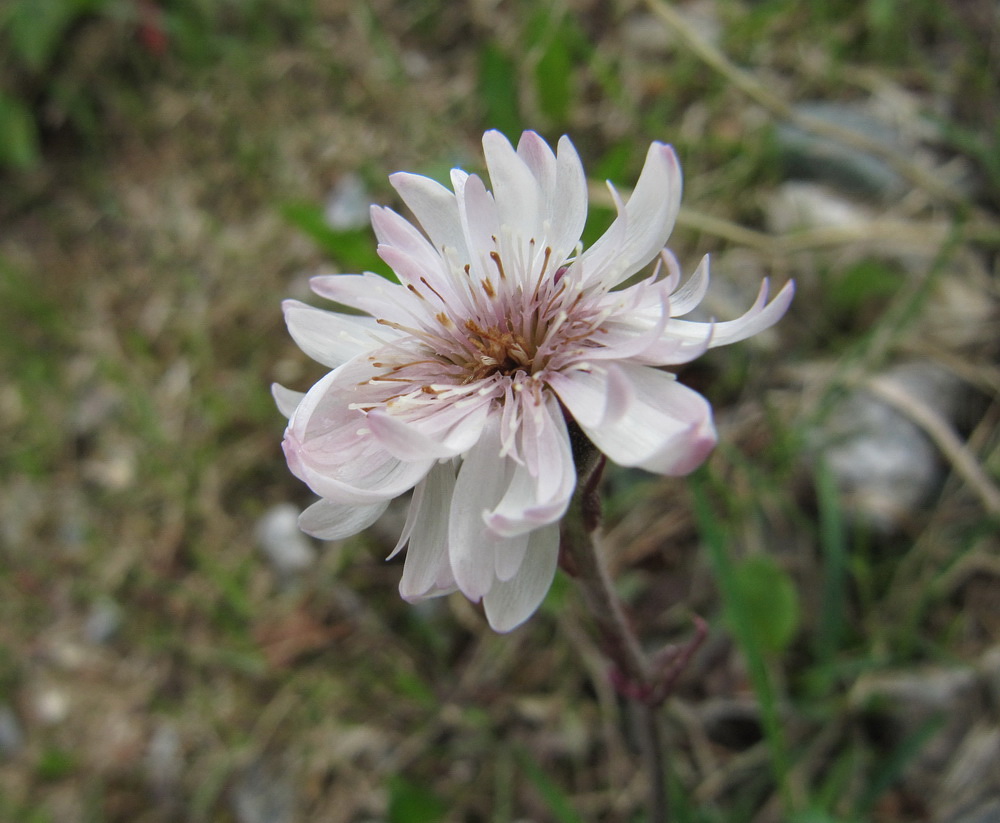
(460, 381)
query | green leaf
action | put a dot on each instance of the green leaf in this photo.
(35, 28)
(862, 283)
(55, 764)
(352, 249)
(769, 600)
(552, 79)
(18, 135)
(498, 90)
(412, 803)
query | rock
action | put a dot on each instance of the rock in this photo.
(885, 466)
(808, 156)
(645, 33)
(347, 205)
(263, 795)
(798, 205)
(972, 781)
(281, 541)
(988, 812)
(164, 764)
(895, 707)
(102, 622)
(51, 705)
(11, 734)
(989, 666)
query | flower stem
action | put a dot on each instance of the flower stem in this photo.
(632, 673)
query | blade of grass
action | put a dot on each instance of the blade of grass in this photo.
(833, 545)
(894, 765)
(740, 620)
(552, 795)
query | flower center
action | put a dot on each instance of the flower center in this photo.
(501, 351)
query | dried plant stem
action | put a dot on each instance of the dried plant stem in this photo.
(943, 436)
(778, 106)
(618, 642)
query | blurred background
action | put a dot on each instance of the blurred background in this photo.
(172, 649)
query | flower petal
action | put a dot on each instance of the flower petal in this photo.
(408, 440)
(328, 337)
(692, 292)
(508, 604)
(587, 395)
(761, 315)
(286, 399)
(541, 487)
(482, 480)
(515, 188)
(667, 428)
(649, 218)
(427, 569)
(568, 205)
(435, 209)
(326, 446)
(335, 521)
(371, 294)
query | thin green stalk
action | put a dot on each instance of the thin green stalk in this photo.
(760, 678)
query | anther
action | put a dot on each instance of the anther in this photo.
(499, 264)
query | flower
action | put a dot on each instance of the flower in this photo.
(462, 381)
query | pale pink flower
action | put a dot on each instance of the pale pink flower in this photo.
(459, 382)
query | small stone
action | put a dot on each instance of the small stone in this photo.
(798, 205)
(51, 705)
(263, 795)
(989, 666)
(103, 622)
(281, 541)
(896, 706)
(163, 762)
(11, 734)
(646, 33)
(973, 777)
(347, 205)
(885, 466)
(988, 812)
(809, 156)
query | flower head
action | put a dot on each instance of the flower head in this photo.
(460, 381)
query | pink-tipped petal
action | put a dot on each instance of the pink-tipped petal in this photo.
(666, 429)
(371, 294)
(542, 486)
(324, 449)
(509, 603)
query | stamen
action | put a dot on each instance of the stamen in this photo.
(499, 263)
(424, 281)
